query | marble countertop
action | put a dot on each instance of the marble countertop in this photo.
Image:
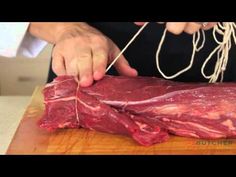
(12, 109)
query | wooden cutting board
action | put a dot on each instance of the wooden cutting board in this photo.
(30, 139)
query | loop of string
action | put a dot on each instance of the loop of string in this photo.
(227, 31)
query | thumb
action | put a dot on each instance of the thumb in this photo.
(122, 65)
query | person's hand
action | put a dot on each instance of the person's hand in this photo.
(188, 27)
(83, 51)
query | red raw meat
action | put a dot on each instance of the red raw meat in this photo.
(145, 108)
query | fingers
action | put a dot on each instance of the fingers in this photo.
(84, 65)
(209, 25)
(87, 62)
(142, 23)
(100, 58)
(179, 27)
(122, 66)
(188, 27)
(192, 27)
(71, 68)
(176, 27)
(58, 65)
(139, 23)
(81, 66)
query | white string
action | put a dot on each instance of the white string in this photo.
(195, 41)
(76, 100)
(227, 30)
(127, 45)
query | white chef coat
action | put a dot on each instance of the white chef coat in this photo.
(16, 41)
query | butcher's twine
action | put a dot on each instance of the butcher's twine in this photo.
(225, 29)
(76, 100)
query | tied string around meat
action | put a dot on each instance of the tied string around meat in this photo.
(76, 99)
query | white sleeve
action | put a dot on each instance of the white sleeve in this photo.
(15, 40)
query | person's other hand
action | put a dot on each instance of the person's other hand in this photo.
(188, 27)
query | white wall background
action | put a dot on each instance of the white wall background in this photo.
(19, 76)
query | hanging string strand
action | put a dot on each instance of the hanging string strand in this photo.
(195, 41)
(227, 31)
(127, 45)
